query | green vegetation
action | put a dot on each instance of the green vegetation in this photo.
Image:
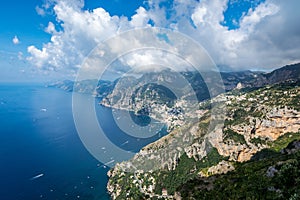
(205, 105)
(275, 146)
(255, 103)
(203, 126)
(186, 170)
(284, 94)
(239, 116)
(128, 187)
(251, 180)
(257, 141)
(255, 113)
(283, 141)
(156, 93)
(204, 122)
(232, 135)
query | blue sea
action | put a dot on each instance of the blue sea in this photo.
(41, 154)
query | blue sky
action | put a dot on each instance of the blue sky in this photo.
(22, 20)
(236, 10)
(231, 31)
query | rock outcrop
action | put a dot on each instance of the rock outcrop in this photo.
(251, 124)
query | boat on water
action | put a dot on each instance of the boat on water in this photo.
(36, 177)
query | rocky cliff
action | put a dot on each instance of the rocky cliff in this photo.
(258, 110)
(162, 95)
(253, 121)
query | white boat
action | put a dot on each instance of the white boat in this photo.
(125, 143)
(36, 177)
(112, 161)
(107, 163)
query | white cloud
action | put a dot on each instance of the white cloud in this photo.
(198, 16)
(147, 60)
(16, 40)
(268, 35)
(140, 19)
(254, 17)
(50, 28)
(209, 12)
(38, 56)
(81, 32)
(40, 11)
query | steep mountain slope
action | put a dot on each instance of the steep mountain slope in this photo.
(149, 92)
(230, 79)
(265, 118)
(276, 175)
(289, 72)
(257, 118)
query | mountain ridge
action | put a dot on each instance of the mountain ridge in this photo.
(262, 119)
(247, 78)
(262, 116)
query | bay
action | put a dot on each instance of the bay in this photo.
(41, 154)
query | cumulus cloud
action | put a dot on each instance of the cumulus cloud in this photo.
(153, 60)
(38, 56)
(267, 36)
(16, 40)
(272, 36)
(140, 19)
(81, 31)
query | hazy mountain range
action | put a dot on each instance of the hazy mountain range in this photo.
(247, 79)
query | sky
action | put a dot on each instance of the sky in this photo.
(49, 39)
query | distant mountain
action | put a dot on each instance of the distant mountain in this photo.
(156, 93)
(66, 85)
(86, 87)
(245, 79)
(286, 73)
(249, 79)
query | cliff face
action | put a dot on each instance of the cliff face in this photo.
(244, 79)
(249, 120)
(164, 95)
(253, 122)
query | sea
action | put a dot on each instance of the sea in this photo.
(41, 154)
